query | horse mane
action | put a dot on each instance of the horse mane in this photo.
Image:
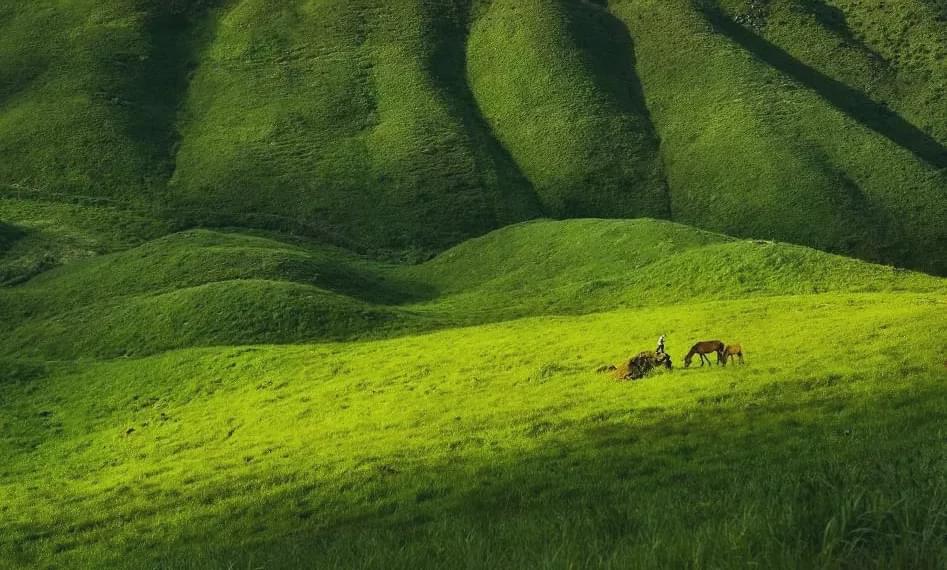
(690, 355)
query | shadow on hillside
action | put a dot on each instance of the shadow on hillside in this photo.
(611, 57)
(871, 114)
(9, 234)
(449, 69)
(609, 52)
(176, 33)
(773, 472)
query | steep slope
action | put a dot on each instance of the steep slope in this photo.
(352, 115)
(317, 112)
(759, 143)
(402, 128)
(557, 82)
(89, 93)
(907, 45)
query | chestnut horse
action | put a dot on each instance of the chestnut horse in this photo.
(702, 349)
(733, 350)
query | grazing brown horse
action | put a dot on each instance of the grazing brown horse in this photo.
(733, 350)
(702, 349)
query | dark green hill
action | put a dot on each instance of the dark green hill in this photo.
(411, 125)
(778, 119)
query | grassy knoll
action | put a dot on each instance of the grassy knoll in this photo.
(586, 265)
(200, 288)
(38, 236)
(497, 446)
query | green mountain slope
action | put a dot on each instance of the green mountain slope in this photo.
(354, 115)
(89, 95)
(326, 283)
(758, 142)
(200, 288)
(412, 125)
(556, 81)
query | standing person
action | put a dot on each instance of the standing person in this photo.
(660, 349)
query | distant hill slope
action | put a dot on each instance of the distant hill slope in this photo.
(778, 120)
(412, 125)
(556, 81)
(201, 287)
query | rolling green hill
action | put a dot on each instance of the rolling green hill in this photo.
(228, 398)
(202, 287)
(326, 283)
(410, 126)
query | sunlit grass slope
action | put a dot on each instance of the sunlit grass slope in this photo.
(497, 446)
(448, 413)
(199, 288)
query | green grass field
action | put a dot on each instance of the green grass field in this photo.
(349, 413)
(327, 283)
(498, 445)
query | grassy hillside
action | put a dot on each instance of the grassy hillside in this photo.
(903, 44)
(89, 94)
(201, 288)
(556, 81)
(161, 406)
(765, 139)
(402, 128)
(497, 446)
(588, 265)
(355, 115)
(38, 236)
(325, 283)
